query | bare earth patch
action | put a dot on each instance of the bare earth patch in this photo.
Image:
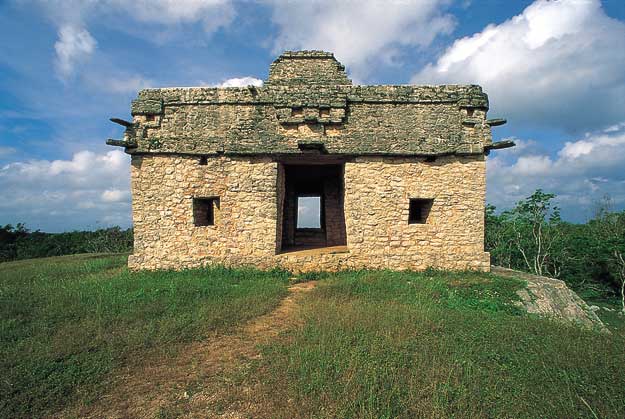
(193, 383)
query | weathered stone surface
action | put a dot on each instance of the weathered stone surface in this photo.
(309, 95)
(294, 68)
(549, 297)
(248, 230)
(388, 145)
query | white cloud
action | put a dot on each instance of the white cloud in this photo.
(559, 63)
(235, 82)
(115, 195)
(212, 13)
(577, 149)
(309, 212)
(75, 44)
(533, 165)
(57, 195)
(359, 33)
(72, 17)
(241, 82)
(615, 127)
(581, 173)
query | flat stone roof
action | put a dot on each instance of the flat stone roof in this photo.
(309, 103)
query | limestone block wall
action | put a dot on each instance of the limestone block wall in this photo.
(293, 68)
(248, 222)
(166, 237)
(349, 120)
(377, 195)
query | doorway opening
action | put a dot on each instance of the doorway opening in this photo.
(312, 213)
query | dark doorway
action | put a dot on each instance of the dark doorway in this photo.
(312, 213)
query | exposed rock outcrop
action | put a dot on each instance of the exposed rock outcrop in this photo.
(549, 297)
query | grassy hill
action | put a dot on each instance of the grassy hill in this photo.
(360, 344)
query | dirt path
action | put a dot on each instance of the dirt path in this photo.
(193, 382)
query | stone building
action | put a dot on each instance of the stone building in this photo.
(394, 175)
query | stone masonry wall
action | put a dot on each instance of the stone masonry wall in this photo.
(247, 222)
(377, 194)
(163, 188)
(358, 128)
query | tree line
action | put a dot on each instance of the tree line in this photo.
(18, 242)
(532, 237)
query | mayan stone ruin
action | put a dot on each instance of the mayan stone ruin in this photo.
(398, 172)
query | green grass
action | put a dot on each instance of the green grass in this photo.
(373, 344)
(406, 345)
(613, 319)
(66, 323)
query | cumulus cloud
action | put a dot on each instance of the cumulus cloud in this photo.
(212, 13)
(580, 173)
(87, 191)
(75, 44)
(558, 63)
(72, 17)
(241, 82)
(235, 82)
(359, 32)
(115, 195)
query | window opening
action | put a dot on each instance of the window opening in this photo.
(309, 212)
(419, 210)
(204, 211)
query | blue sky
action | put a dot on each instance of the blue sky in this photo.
(555, 70)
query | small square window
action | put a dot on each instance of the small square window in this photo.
(203, 161)
(204, 211)
(419, 210)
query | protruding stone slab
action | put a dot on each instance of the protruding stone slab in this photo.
(122, 122)
(495, 122)
(498, 145)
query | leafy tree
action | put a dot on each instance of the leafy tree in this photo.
(609, 229)
(499, 240)
(9, 236)
(532, 237)
(537, 227)
(20, 243)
